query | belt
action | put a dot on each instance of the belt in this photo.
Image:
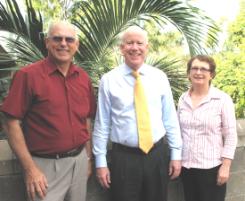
(136, 150)
(71, 153)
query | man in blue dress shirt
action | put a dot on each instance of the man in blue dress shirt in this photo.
(135, 175)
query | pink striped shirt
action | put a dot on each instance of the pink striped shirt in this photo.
(208, 131)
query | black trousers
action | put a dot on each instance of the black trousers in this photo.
(200, 185)
(136, 176)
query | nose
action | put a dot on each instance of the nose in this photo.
(63, 42)
(134, 46)
(197, 70)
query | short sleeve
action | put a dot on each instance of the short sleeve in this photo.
(19, 97)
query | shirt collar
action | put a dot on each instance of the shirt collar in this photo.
(51, 67)
(213, 93)
(127, 70)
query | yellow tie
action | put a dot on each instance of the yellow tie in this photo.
(142, 115)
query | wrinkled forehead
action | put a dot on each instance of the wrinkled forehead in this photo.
(135, 36)
(62, 29)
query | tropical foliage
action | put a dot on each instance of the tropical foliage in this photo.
(100, 22)
(231, 63)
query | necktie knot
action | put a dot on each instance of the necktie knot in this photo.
(135, 74)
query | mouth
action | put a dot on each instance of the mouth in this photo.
(134, 55)
(199, 78)
(62, 50)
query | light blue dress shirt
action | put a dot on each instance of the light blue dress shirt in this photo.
(116, 119)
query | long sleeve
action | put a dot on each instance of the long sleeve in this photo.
(102, 126)
(228, 128)
(171, 124)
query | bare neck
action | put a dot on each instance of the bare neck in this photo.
(199, 91)
(63, 68)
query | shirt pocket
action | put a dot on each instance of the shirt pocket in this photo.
(43, 101)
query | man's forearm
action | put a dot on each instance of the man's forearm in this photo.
(36, 182)
(17, 143)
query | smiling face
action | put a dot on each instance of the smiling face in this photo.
(199, 73)
(62, 43)
(134, 48)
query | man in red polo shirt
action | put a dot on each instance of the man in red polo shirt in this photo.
(53, 99)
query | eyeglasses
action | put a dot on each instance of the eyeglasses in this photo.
(59, 39)
(202, 69)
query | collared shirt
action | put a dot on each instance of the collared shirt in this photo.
(208, 131)
(115, 117)
(53, 108)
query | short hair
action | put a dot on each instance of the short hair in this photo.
(133, 29)
(203, 58)
(65, 23)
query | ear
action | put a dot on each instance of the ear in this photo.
(147, 47)
(189, 77)
(213, 75)
(46, 40)
(77, 43)
(122, 49)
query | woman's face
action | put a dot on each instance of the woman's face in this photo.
(200, 73)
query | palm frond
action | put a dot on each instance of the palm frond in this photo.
(29, 26)
(102, 21)
(21, 50)
(177, 77)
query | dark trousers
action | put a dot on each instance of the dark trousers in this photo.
(200, 185)
(137, 176)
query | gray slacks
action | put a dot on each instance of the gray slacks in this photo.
(67, 177)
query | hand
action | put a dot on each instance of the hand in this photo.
(103, 176)
(223, 174)
(36, 182)
(174, 168)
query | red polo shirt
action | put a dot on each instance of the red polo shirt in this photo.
(53, 108)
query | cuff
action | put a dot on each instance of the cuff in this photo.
(175, 154)
(100, 161)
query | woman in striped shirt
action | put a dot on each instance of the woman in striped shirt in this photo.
(208, 127)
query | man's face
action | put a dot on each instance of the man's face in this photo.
(62, 44)
(134, 49)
